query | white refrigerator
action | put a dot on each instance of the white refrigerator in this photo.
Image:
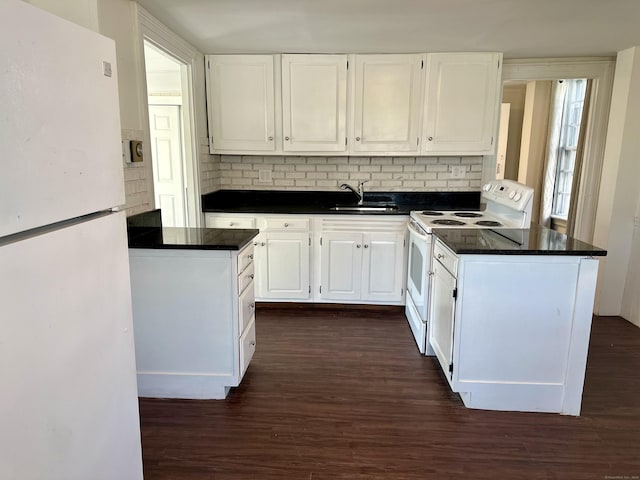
(68, 399)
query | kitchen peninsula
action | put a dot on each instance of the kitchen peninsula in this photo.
(193, 307)
(511, 316)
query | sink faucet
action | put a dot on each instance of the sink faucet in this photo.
(358, 193)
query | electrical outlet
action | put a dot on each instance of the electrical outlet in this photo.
(264, 176)
(458, 171)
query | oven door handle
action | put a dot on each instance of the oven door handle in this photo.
(417, 232)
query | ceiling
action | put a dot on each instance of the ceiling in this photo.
(519, 28)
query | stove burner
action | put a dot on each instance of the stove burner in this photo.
(432, 213)
(446, 221)
(488, 223)
(468, 214)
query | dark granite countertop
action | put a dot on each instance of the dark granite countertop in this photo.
(145, 230)
(536, 240)
(320, 202)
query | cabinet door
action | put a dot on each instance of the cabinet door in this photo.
(314, 102)
(442, 315)
(283, 265)
(388, 92)
(341, 266)
(461, 103)
(241, 102)
(383, 267)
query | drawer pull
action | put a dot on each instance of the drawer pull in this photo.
(231, 224)
(440, 256)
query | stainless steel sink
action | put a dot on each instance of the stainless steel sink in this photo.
(365, 208)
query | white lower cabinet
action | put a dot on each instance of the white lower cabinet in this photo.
(365, 266)
(282, 264)
(325, 258)
(194, 320)
(443, 290)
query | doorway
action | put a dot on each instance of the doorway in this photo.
(540, 143)
(586, 182)
(171, 139)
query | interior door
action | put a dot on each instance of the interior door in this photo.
(168, 168)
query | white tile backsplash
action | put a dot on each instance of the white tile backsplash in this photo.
(327, 173)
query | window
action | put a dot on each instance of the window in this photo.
(574, 93)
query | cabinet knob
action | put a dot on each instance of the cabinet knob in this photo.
(286, 225)
(366, 246)
(440, 255)
(252, 305)
(231, 224)
(358, 246)
(286, 138)
(430, 274)
(255, 244)
(253, 344)
(270, 138)
(251, 276)
(430, 138)
(263, 244)
(357, 139)
(251, 256)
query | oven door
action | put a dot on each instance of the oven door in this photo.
(418, 268)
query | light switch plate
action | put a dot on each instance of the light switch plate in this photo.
(126, 151)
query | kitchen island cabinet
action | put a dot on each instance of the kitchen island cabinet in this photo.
(193, 310)
(511, 315)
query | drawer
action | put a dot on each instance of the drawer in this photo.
(245, 258)
(247, 347)
(295, 224)
(246, 308)
(224, 221)
(446, 257)
(245, 278)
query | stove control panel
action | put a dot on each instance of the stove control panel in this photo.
(508, 193)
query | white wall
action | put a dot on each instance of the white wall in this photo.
(81, 12)
(619, 193)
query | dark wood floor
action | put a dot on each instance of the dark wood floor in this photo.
(344, 394)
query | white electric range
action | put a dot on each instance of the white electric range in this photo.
(507, 205)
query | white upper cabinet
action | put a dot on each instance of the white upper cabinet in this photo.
(387, 103)
(314, 103)
(461, 103)
(241, 99)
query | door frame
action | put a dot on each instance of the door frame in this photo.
(601, 72)
(155, 33)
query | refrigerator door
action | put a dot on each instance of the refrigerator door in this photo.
(68, 407)
(60, 139)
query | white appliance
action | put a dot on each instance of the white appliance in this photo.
(507, 205)
(68, 407)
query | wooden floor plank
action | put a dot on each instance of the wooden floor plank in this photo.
(344, 394)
